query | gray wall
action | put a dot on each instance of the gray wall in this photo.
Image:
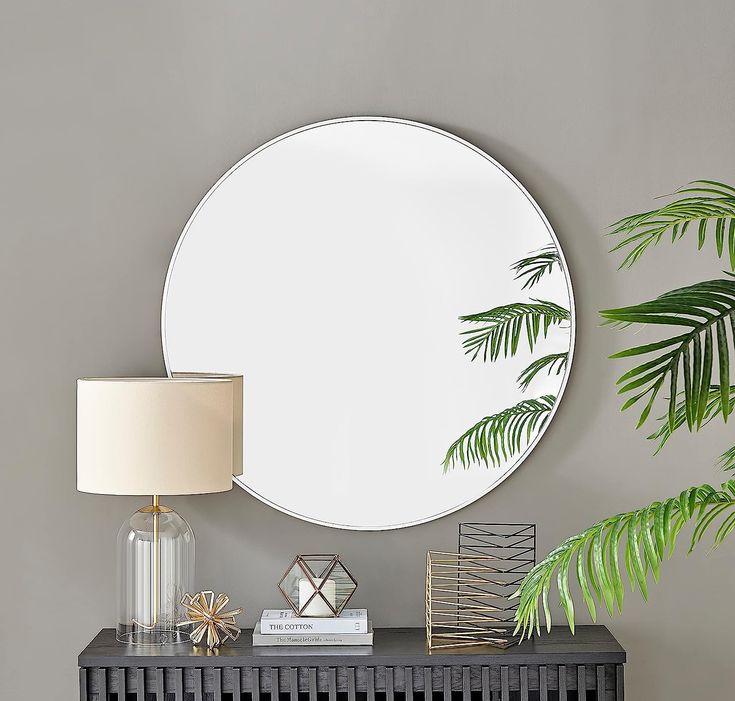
(118, 116)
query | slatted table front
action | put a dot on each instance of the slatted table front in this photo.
(554, 667)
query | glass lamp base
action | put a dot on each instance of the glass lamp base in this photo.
(162, 636)
(155, 556)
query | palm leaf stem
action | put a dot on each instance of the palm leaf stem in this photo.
(500, 436)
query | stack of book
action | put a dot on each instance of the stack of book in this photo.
(284, 627)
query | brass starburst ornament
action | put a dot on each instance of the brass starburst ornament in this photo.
(205, 612)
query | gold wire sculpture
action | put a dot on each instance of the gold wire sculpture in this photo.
(463, 604)
(205, 612)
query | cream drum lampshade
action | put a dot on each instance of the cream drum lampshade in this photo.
(162, 436)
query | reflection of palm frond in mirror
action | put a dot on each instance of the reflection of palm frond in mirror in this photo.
(534, 267)
(712, 409)
(503, 327)
(500, 436)
(708, 204)
(551, 362)
(500, 331)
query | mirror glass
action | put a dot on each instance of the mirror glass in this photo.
(334, 267)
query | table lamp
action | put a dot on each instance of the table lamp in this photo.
(154, 437)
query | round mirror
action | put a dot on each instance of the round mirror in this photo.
(400, 310)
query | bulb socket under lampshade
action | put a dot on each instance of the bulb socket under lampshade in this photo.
(145, 436)
(157, 436)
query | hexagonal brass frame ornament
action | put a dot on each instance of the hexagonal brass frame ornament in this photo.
(318, 570)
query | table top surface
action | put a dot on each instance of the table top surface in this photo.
(392, 646)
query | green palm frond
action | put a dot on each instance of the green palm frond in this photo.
(551, 362)
(712, 410)
(706, 205)
(726, 461)
(503, 327)
(535, 266)
(705, 310)
(645, 535)
(500, 436)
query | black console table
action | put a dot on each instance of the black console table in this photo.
(558, 666)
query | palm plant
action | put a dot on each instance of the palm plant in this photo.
(500, 332)
(693, 368)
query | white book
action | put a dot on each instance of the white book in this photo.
(261, 640)
(285, 622)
